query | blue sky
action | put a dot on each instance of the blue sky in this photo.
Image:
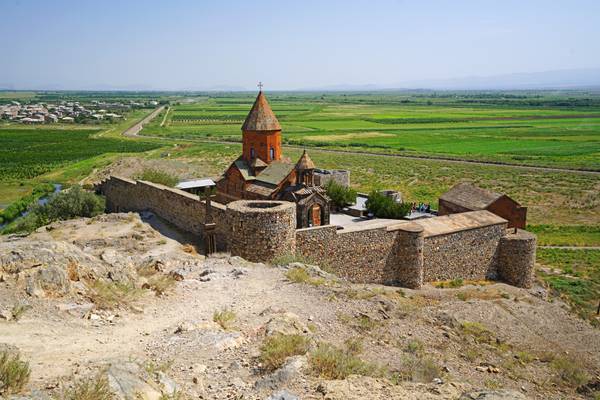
(288, 44)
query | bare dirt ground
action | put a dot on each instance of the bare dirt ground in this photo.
(157, 336)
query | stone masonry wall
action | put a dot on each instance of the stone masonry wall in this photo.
(401, 254)
(360, 256)
(182, 209)
(261, 230)
(467, 254)
(516, 258)
(338, 175)
(393, 255)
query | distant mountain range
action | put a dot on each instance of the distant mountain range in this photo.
(559, 79)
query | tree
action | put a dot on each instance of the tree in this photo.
(383, 206)
(340, 195)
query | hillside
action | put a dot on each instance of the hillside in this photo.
(109, 304)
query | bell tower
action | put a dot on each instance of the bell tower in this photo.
(261, 132)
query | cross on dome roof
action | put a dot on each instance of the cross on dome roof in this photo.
(261, 117)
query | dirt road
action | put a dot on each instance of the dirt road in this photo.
(135, 129)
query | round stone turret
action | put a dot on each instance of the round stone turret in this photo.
(516, 258)
(261, 230)
(409, 255)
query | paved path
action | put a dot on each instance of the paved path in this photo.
(135, 129)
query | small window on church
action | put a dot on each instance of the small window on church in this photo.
(252, 152)
(272, 153)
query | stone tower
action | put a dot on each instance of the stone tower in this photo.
(306, 170)
(261, 133)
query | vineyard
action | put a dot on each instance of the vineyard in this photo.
(27, 153)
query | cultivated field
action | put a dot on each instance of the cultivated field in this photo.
(202, 132)
(542, 131)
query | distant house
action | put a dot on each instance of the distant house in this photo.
(468, 197)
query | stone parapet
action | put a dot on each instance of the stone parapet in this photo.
(408, 253)
(516, 258)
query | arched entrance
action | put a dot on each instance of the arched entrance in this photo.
(314, 215)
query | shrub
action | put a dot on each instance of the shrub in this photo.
(94, 388)
(569, 371)
(157, 176)
(300, 275)
(160, 284)
(276, 349)
(18, 310)
(340, 195)
(14, 373)
(224, 318)
(417, 369)
(383, 206)
(330, 362)
(108, 295)
(71, 203)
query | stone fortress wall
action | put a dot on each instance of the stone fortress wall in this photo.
(472, 245)
(341, 176)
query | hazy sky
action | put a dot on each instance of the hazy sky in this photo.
(287, 44)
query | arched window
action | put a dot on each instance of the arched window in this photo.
(272, 153)
(252, 152)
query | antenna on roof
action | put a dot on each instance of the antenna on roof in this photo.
(260, 86)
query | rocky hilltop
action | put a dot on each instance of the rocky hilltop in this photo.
(108, 307)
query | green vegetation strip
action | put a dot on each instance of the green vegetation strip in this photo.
(578, 278)
(566, 235)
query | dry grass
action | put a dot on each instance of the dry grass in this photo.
(276, 349)
(330, 362)
(224, 318)
(417, 369)
(160, 284)
(569, 372)
(18, 310)
(487, 293)
(190, 249)
(14, 373)
(109, 295)
(300, 275)
(94, 388)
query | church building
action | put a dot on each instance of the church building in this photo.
(262, 173)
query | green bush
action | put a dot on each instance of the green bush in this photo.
(276, 349)
(383, 206)
(14, 373)
(340, 195)
(156, 176)
(330, 362)
(71, 203)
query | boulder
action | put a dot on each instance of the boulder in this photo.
(287, 372)
(283, 395)
(285, 324)
(48, 281)
(493, 395)
(126, 381)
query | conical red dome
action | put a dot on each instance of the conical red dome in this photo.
(261, 117)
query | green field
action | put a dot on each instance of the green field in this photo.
(542, 131)
(560, 130)
(29, 155)
(578, 278)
